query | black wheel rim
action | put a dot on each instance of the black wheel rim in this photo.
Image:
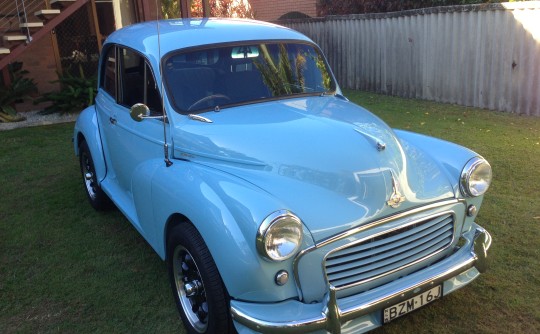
(190, 289)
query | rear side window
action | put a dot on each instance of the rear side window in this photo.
(108, 76)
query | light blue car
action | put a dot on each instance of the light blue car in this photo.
(278, 205)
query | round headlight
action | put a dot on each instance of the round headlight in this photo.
(279, 236)
(475, 177)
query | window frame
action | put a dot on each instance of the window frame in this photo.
(173, 53)
(104, 68)
(120, 77)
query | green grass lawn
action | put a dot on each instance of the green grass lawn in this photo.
(66, 268)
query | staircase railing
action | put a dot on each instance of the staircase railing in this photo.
(31, 7)
(14, 13)
(23, 17)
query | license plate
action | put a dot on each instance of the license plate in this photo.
(409, 305)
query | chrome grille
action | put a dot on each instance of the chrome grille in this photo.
(389, 251)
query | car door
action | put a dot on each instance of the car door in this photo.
(129, 144)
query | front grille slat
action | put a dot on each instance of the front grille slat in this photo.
(388, 259)
(389, 252)
(438, 223)
(395, 254)
(381, 247)
(375, 273)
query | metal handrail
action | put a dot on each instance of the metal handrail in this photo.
(19, 9)
(44, 31)
(24, 20)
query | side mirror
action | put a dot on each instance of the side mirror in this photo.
(139, 111)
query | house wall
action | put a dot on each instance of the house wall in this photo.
(124, 12)
(271, 10)
(39, 61)
(485, 56)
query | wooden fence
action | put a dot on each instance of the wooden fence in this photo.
(485, 56)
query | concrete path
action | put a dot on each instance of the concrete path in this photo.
(33, 118)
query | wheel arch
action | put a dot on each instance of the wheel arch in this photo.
(199, 272)
(226, 212)
(87, 129)
(174, 220)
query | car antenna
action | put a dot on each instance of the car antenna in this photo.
(168, 162)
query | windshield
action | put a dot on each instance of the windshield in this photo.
(215, 78)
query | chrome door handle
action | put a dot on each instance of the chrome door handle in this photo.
(112, 120)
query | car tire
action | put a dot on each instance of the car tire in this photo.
(98, 199)
(199, 293)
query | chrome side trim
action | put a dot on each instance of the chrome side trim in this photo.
(332, 316)
(361, 228)
(200, 118)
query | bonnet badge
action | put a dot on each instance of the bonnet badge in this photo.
(396, 198)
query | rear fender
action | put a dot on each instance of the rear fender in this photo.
(87, 128)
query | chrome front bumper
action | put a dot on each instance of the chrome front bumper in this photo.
(332, 313)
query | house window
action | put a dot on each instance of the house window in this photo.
(105, 17)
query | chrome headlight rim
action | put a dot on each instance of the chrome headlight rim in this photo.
(273, 221)
(468, 171)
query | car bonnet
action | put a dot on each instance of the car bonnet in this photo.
(331, 162)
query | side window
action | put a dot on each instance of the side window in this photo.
(108, 81)
(138, 84)
(152, 98)
(132, 70)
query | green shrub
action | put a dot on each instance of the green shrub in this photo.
(76, 93)
(18, 90)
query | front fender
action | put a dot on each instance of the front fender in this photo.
(227, 212)
(450, 157)
(87, 128)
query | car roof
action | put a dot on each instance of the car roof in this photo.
(185, 33)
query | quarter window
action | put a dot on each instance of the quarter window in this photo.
(108, 83)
